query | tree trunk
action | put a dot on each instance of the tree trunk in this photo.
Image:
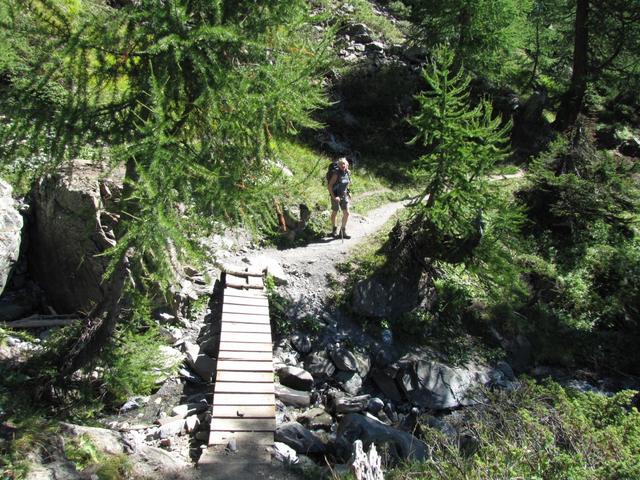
(572, 100)
(100, 324)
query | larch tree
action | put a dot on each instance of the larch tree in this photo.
(190, 95)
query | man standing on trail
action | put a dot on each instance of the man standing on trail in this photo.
(339, 192)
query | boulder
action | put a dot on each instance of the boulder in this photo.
(351, 382)
(295, 377)
(320, 366)
(298, 438)
(202, 364)
(402, 445)
(344, 359)
(301, 342)
(385, 381)
(70, 230)
(291, 397)
(315, 419)
(104, 440)
(155, 463)
(10, 233)
(437, 386)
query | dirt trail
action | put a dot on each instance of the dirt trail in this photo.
(307, 267)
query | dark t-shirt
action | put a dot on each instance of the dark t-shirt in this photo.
(342, 183)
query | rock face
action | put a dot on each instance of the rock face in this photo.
(10, 233)
(71, 227)
(437, 386)
(354, 426)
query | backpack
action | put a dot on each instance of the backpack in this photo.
(333, 168)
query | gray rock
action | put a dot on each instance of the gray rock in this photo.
(344, 359)
(320, 366)
(192, 423)
(10, 233)
(54, 471)
(301, 342)
(383, 358)
(188, 409)
(171, 429)
(284, 453)
(402, 445)
(363, 364)
(365, 39)
(370, 298)
(357, 29)
(387, 385)
(316, 419)
(210, 345)
(202, 364)
(295, 377)
(129, 405)
(298, 438)
(376, 47)
(291, 397)
(505, 368)
(156, 464)
(437, 386)
(375, 405)
(104, 440)
(72, 227)
(351, 382)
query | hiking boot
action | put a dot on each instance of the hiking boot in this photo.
(343, 234)
(334, 232)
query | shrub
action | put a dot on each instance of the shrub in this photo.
(537, 431)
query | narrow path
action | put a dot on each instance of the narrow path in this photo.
(310, 265)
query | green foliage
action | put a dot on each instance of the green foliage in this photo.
(32, 435)
(363, 12)
(538, 431)
(187, 95)
(133, 364)
(465, 143)
(81, 451)
(486, 36)
(584, 207)
(278, 306)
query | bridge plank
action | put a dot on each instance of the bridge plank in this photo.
(241, 318)
(247, 411)
(245, 309)
(237, 327)
(244, 399)
(244, 292)
(246, 347)
(242, 438)
(243, 424)
(244, 337)
(256, 282)
(251, 356)
(231, 376)
(247, 366)
(229, 299)
(243, 387)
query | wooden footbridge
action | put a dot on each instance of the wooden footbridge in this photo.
(243, 413)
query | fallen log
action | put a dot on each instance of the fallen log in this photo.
(36, 321)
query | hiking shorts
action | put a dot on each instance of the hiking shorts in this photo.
(342, 204)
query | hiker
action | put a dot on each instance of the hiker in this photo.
(339, 192)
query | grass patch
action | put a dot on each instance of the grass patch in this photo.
(537, 431)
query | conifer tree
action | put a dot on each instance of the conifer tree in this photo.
(189, 95)
(464, 144)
